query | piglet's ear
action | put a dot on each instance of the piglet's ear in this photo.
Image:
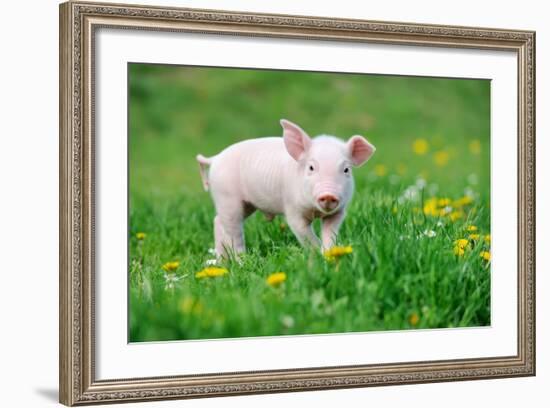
(360, 150)
(297, 142)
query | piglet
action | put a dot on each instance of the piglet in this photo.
(301, 177)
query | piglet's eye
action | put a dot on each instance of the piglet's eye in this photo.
(311, 168)
(346, 170)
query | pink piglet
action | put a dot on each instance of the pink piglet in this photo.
(301, 177)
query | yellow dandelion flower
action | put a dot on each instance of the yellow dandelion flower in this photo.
(275, 279)
(171, 266)
(475, 146)
(471, 228)
(414, 319)
(188, 305)
(198, 308)
(141, 235)
(455, 215)
(394, 210)
(462, 243)
(486, 255)
(473, 237)
(444, 202)
(380, 170)
(487, 238)
(401, 169)
(336, 252)
(420, 146)
(211, 272)
(461, 202)
(282, 226)
(430, 207)
(441, 158)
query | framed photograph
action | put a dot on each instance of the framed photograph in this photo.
(255, 203)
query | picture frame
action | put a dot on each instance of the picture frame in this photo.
(79, 24)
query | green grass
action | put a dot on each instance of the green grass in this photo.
(396, 278)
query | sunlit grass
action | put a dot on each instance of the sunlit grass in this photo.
(398, 265)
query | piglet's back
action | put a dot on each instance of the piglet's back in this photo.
(252, 170)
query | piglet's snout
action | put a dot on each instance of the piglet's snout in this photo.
(328, 201)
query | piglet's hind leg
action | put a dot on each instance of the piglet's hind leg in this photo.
(218, 237)
(229, 235)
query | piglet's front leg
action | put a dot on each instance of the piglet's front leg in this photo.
(302, 229)
(329, 230)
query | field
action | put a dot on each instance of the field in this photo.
(418, 227)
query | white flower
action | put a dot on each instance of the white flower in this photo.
(317, 298)
(439, 223)
(469, 192)
(429, 233)
(170, 280)
(210, 262)
(394, 179)
(287, 321)
(421, 183)
(410, 194)
(211, 251)
(472, 179)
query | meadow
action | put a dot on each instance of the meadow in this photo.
(415, 245)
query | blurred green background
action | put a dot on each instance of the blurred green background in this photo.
(433, 142)
(179, 111)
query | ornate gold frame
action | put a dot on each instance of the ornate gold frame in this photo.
(78, 22)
